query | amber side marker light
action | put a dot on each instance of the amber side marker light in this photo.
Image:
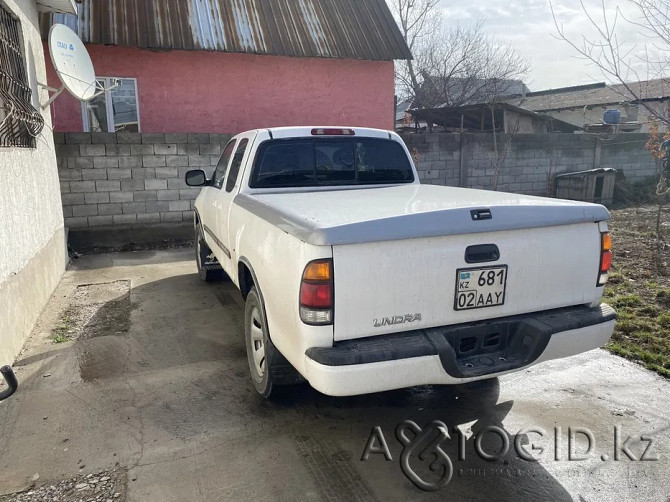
(605, 258)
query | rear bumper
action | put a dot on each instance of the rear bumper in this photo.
(456, 354)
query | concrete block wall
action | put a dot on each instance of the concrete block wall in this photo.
(531, 161)
(112, 179)
(135, 181)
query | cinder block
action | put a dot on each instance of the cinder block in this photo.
(129, 138)
(210, 149)
(176, 184)
(176, 160)
(221, 139)
(214, 160)
(126, 162)
(153, 160)
(179, 205)
(82, 186)
(64, 187)
(107, 186)
(141, 149)
(96, 197)
(187, 215)
(181, 173)
(120, 150)
(168, 194)
(166, 149)
(70, 174)
(119, 174)
(157, 207)
(109, 209)
(121, 197)
(176, 138)
(91, 150)
(78, 138)
(132, 185)
(125, 219)
(67, 150)
(94, 174)
(141, 173)
(145, 195)
(105, 162)
(198, 137)
(134, 207)
(149, 218)
(67, 212)
(81, 222)
(70, 199)
(189, 193)
(59, 138)
(188, 149)
(85, 210)
(166, 172)
(171, 217)
(199, 160)
(155, 184)
(100, 221)
(103, 138)
(80, 162)
(153, 138)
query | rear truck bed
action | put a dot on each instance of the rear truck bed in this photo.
(437, 285)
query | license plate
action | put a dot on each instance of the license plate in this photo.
(478, 288)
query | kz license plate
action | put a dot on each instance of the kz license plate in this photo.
(478, 288)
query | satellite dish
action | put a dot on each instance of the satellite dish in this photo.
(73, 66)
(72, 62)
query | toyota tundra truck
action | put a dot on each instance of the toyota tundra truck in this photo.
(359, 279)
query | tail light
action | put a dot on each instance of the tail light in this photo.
(605, 258)
(316, 293)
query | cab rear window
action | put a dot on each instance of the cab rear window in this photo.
(305, 162)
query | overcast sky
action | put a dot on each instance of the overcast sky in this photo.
(528, 26)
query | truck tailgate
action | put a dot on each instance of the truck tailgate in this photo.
(401, 285)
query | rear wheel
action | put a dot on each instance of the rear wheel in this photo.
(267, 365)
(209, 269)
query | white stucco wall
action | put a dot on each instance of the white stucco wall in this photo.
(31, 215)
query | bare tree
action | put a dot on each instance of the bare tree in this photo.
(617, 59)
(452, 66)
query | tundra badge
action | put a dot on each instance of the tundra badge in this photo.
(397, 319)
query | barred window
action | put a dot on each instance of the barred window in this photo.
(20, 122)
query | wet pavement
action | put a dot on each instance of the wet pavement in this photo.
(153, 379)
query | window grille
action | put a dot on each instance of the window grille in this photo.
(20, 122)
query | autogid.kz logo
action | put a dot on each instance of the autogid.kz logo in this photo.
(425, 463)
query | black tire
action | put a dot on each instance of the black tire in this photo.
(267, 366)
(208, 270)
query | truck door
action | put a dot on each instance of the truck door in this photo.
(211, 204)
(225, 197)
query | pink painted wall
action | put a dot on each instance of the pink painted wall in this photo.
(199, 91)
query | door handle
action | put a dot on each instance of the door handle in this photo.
(482, 253)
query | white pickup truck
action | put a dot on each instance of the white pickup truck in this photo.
(359, 279)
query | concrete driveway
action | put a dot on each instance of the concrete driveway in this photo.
(155, 383)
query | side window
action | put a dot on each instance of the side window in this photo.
(235, 166)
(220, 172)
